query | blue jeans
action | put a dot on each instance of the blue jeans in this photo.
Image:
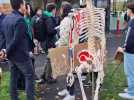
(129, 71)
(28, 72)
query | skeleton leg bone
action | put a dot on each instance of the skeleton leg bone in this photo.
(79, 73)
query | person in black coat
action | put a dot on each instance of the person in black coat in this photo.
(17, 50)
(50, 23)
(50, 32)
(126, 21)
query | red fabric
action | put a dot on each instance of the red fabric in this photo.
(118, 26)
(78, 17)
(70, 39)
(82, 58)
(85, 53)
(85, 56)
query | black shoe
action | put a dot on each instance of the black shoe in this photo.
(51, 80)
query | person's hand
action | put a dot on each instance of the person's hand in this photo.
(2, 55)
(120, 49)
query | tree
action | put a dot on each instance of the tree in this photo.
(130, 1)
(108, 9)
(114, 6)
(37, 3)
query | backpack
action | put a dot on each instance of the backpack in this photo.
(39, 29)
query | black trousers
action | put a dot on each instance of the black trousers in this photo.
(47, 74)
(21, 79)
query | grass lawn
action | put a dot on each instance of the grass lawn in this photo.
(4, 88)
(113, 84)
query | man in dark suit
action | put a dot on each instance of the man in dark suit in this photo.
(17, 49)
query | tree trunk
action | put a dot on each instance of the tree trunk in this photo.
(130, 1)
(37, 3)
(107, 24)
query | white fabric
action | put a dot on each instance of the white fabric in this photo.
(69, 97)
(0, 70)
(65, 27)
(63, 92)
(126, 96)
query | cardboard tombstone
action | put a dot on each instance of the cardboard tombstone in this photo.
(59, 59)
(119, 55)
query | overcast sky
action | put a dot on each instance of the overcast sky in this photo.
(4, 1)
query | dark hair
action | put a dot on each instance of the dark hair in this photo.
(66, 6)
(36, 9)
(131, 6)
(16, 4)
(50, 7)
(31, 9)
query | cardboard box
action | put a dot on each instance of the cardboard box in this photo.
(59, 59)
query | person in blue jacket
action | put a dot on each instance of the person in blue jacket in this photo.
(129, 55)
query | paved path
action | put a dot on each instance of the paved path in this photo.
(49, 91)
(113, 42)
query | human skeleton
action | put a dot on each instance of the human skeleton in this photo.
(88, 24)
